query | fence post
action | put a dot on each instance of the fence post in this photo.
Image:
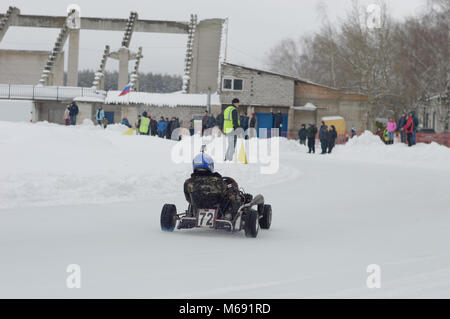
(9, 91)
(33, 92)
(57, 93)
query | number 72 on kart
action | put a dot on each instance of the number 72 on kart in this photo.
(206, 218)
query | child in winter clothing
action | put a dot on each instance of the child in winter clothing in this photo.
(391, 127)
(67, 115)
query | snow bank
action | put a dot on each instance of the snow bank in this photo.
(49, 164)
(369, 148)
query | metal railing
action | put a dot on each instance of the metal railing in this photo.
(54, 93)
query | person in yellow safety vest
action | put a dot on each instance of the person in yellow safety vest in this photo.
(145, 124)
(230, 123)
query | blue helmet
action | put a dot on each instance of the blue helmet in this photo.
(203, 162)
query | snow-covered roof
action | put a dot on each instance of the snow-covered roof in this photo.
(95, 99)
(307, 107)
(161, 99)
(332, 118)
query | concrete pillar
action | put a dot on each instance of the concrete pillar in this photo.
(85, 111)
(124, 57)
(74, 51)
(291, 121)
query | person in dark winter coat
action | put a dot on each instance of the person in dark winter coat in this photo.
(302, 134)
(400, 124)
(278, 122)
(252, 126)
(73, 112)
(169, 129)
(311, 134)
(409, 129)
(331, 138)
(210, 121)
(323, 137)
(416, 125)
(153, 126)
(219, 121)
(125, 121)
(244, 121)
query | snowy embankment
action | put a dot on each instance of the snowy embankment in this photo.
(92, 197)
(48, 164)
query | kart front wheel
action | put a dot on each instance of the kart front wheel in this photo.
(265, 218)
(252, 224)
(168, 217)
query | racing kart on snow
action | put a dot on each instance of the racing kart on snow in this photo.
(247, 218)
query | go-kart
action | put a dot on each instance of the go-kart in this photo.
(246, 218)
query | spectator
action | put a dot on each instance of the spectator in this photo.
(385, 136)
(153, 126)
(67, 115)
(138, 122)
(253, 126)
(125, 121)
(175, 125)
(105, 122)
(210, 122)
(391, 127)
(244, 121)
(353, 132)
(323, 137)
(73, 112)
(409, 129)
(162, 126)
(144, 124)
(204, 121)
(277, 122)
(331, 138)
(400, 126)
(379, 132)
(219, 121)
(100, 115)
(416, 125)
(302, 134)
(169, 129)
(311, 134)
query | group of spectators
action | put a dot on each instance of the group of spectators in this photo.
(327, 137)
(209, 121)
(70, 114)
(146, 124)
(406, 126)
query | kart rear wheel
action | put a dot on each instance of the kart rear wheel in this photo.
(252, 224)
(265, 218)
(168, 217)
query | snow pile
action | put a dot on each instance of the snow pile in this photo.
(307, 107)
(161, 99)
(369, 148)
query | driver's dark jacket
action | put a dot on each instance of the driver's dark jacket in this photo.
(205, 190)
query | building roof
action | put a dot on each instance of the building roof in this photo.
(294, 78)
(161, 99)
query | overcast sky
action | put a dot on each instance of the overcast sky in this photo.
(254, 26)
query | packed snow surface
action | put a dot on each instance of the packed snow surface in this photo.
(92, 197)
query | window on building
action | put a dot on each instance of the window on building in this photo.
(233, 84)
(227, 84)
(237, 84)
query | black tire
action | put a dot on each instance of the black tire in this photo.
(265, 218)
(168, 217)
(252, 224)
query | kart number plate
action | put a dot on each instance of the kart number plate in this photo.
(206, 218)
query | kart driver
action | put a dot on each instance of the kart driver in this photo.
(208, 189)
